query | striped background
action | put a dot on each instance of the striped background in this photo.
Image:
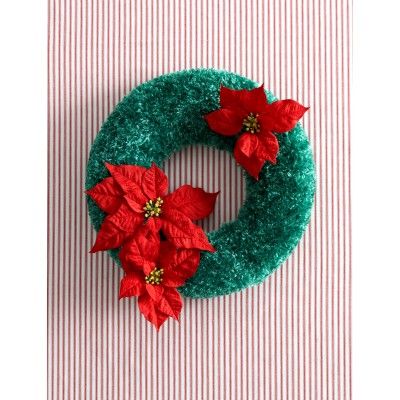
(286, 339)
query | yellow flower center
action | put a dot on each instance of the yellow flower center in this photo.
(155, 276)
(251, 124)
(153, 208)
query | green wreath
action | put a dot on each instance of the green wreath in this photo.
(166, 114)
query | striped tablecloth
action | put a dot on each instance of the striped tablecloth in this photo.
(288, 338)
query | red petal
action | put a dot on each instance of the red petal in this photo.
(174, 280)
(136, 201)
(179, 264)
(109, 236)
(116, 228)
(155, 292)
(182, 232)
(230, 97)
(253, 158)
(107, 195)
(253, 100)
(126, 219)
(132, 284)
(141, 252)
(149, 309)
(248, 155)
(282, 116)
(128, 177)
(154, 182)
(226, 121)
(268, 147)
(195, 203)
(171, 303)
(154, 224)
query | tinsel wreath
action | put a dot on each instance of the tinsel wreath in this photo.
(166, 114)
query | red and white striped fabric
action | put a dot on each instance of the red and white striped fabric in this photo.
(288, 338)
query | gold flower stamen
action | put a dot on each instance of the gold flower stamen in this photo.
(251, 124)
(155, 277)
(153, 208)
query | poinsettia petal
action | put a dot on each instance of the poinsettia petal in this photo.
(247, 143)
(174, 280)
(253, 100)
(141, 251)
(151, 312)
(182, 232)
(154, 224)
(230, 97)
(107, 195)
(268, 147)
(226, 121)
(155, 291)
(245, 153)
(109, 237)
(128, 177)
(132, 284)
(187, 262)
(179, 264)
(132, 172)
(154, 182)
(195, 203)
(282, 116)
(116, 228)
(125, 219)
(136, 201)
(171, 303)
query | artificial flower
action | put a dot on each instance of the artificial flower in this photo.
(134, 196)
(247, 112)
(153, 271)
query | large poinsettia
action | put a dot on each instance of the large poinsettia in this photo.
(248, 112)
(134, 196)
(153, 271)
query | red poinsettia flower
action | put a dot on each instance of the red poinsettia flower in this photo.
(248, 112)
(134, 196)
(153, 271)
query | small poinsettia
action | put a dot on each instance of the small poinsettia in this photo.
(153, 271)
(134, 196)
(247, 112)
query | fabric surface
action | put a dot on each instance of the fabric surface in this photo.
(288, 338)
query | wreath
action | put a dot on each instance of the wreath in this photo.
(152, 234)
